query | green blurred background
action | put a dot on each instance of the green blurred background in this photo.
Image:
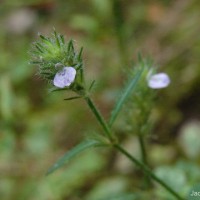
(37, 127)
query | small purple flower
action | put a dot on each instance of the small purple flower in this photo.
(64, 77)
(158, 81)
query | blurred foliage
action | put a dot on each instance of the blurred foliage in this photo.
(36, 127)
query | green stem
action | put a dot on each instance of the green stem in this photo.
(143, 149)
(144, 157)
(110, 136)
(147, 171)
(100, 118)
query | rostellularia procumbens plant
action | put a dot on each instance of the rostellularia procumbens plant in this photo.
(61, 65)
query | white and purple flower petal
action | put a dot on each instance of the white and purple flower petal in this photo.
(64, 77)
(158, 81)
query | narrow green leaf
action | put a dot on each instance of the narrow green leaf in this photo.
(72, 98)
(55, 89)
(72, 153)
(80, 54)
(62, 39)
(44, 38)
(57, 39)
(70, 46)
(126, 93)
(39, 49)
(91, 86)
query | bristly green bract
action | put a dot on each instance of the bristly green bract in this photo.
(124, 96)
(48, 51)
(137, 110)
(136, 88)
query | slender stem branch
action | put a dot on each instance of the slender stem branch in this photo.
(144, 157)
(143, 149)
(110, 136)
(100, 118)
(147, 170)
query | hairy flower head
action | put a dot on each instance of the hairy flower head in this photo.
(59, 62)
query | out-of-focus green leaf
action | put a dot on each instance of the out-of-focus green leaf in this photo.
(174, 177)
(73, 152)
(79, 172)
(84, 22)
(109, 188)
(124, 96)
(189, 139)
(103, 8)
(6, 96)
(191, 169)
